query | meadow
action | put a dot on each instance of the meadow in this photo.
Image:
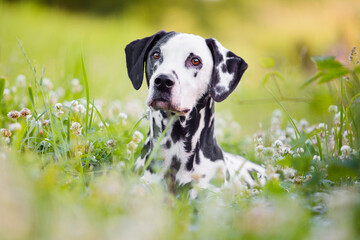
(71, 125)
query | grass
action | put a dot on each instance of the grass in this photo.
(67, 170)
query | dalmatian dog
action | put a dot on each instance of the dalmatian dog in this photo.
(185, 75)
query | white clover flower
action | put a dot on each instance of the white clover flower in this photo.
(45, 122)
(271, 172)
(76, 128)
(76, 87)
(316, 158)
(337, 119)
(75, 81)
(6, 94)
(47, 84)
(258, 141)
(268, 151)
(286, 150)
(74, 103)
(333, 109)
(111, 143)
(277, 144)
(21, 80)
(289, 172)
(346, 151)
(14, 127)
(322, 126)
(101, 125)
(123, 116)
(53, 97)
(5, 132)
(80, 108)
(259, 148)
(60, 91)
(14, 114)
(58, 106)
(25, 112)
(300, 150)
(131, 146)
(137, 137)
(13, 89)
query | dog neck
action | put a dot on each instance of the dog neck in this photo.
(188, 138)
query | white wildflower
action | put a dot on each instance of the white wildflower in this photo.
(5, 132)
(60, 91)
(58, 106)
(101, 125)
(76, 86)
(7, 94)
(259, 149)
(14, 127)
(25, 112)
(76, 128)
(346, 151)
(268, 151)
(277, 144)
(14, 114)
(131, 146)
(333, 109)
(137, 137)
(21, 80)
(111, 143)
(47, 84)
(316, 158)
(289, 172)
(53, 97)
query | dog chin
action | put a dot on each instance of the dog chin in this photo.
(167, 106)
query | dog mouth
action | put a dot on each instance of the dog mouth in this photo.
(163, 104)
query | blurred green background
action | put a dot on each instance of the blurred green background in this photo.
(53, 32)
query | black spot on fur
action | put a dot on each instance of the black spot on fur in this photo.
(177, 132)
(208, 142)
(151, 63)
(163, 114)
(195, 74)
(217, 56)
(230, 54)
(175, 74)
(190, 162)
(175, 163)
(224, 68)
(168, 144)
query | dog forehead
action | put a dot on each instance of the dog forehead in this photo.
(185, 44)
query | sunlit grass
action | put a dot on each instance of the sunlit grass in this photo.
(68, 143)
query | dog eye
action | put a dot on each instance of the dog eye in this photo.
(156, 55)
(195, 61)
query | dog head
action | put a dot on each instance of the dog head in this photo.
(180, 68)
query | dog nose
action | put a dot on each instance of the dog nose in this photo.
(164, 82)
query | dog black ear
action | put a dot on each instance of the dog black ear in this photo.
(136, 53)
(227, 71)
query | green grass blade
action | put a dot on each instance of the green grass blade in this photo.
(157, 145)
(2, 87)
(319, 147)
(87, 93)
(341, 117)
(31, 96)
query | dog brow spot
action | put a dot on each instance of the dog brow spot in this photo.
(175, 74)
